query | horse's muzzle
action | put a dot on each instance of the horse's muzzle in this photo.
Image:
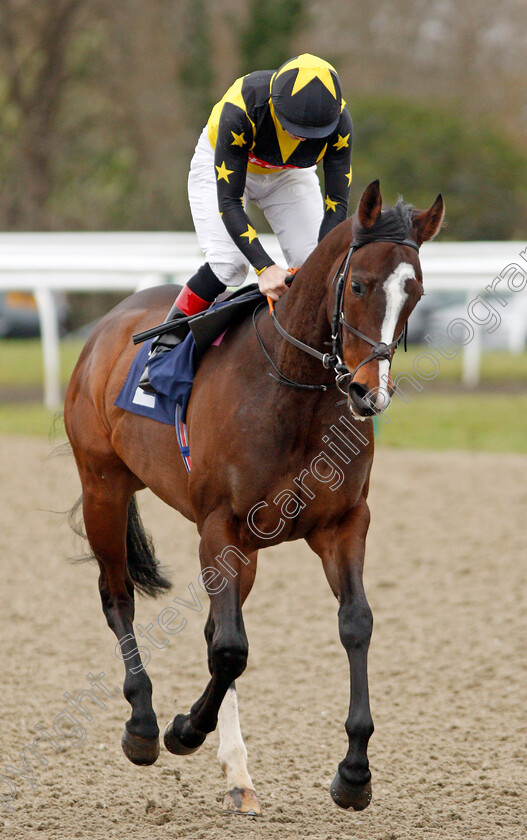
(365, 402)
(362, 402)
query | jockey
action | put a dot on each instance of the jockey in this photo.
(262, 143)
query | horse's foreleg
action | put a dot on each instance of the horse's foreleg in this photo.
(232, 756)
(105, 508)
(227, 653)
(342, 553)
(232, 753)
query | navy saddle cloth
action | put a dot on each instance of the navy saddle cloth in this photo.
(172, 373)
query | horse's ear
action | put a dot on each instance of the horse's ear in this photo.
(370, 205)
(426, 224)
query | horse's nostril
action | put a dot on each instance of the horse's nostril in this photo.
(362, 403)
(358, 390)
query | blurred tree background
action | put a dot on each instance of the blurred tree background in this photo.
(101, 103)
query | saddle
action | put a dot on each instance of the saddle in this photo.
(206, 327)
(173, 372)
(228, 310)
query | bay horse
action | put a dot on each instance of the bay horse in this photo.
(261, 410)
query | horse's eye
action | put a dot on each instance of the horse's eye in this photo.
(357, 288)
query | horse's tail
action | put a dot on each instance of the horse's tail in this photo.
(143, 565)
(144, 568)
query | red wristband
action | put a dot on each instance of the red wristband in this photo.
(190, 303)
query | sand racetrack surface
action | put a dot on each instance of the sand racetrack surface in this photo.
(446, 578)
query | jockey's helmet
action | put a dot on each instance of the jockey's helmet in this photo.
(306, 96)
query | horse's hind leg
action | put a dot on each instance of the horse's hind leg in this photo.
(107, 495)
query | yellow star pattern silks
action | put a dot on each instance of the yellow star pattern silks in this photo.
(250, 233)
(239, 139)
(310, 67)
(342, 142)
(287, 143)
(223, 172)
(348, 176)
(248, 138)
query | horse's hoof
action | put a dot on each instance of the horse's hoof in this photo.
(142, 751)
(181, 738)
(242, 801)
(345, 795)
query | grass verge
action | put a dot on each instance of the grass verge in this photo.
(483, 421)
(30, 419)
(487, 422)
(21, 361)
(493, 423)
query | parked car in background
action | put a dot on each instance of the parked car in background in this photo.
(510, 333)
(19, 315)
(423, 314)
(437, 310)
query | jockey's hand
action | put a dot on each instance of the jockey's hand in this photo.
(271, 281)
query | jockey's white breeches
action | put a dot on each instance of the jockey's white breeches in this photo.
(289, 198)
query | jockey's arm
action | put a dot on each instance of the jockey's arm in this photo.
(337, 175)
(235, 138)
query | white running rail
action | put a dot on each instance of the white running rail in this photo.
(43, 263)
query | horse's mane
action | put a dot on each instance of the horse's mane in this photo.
(393, 223)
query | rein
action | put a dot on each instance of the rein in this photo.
(333, 361)
(282, 378)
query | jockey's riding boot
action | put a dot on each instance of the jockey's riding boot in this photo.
(171, 339)
(195, 297)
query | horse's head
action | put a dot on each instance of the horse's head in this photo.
(382, 286)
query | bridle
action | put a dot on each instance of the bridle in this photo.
(333, 361)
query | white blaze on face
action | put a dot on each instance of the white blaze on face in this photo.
(395, 299)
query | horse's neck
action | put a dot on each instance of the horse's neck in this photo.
(303, 310)
(303, 314)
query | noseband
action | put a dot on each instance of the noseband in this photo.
(333, 361)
